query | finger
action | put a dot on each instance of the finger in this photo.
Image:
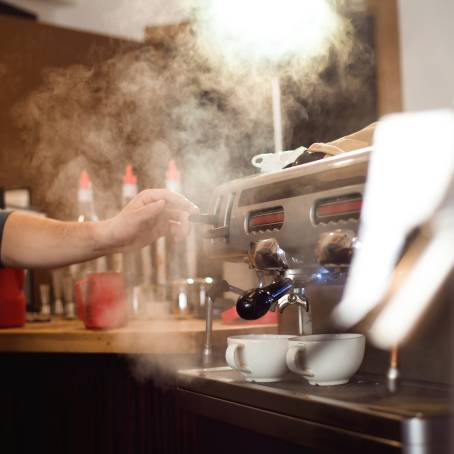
(152, 210)
(157, 231)
(171, 215)
(179, 223)
(177, 215)
(173, 222)
(174, 199)
(162, 223)
(179, 231)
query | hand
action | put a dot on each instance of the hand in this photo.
(151, 214)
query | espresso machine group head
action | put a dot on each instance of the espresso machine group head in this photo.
(292, 227)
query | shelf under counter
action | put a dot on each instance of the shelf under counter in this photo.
(164, 336)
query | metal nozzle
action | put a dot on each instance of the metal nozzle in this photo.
(292, 299)
(214, 292)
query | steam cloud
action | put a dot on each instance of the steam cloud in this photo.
(145, 107)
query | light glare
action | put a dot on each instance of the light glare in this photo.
(268, 29)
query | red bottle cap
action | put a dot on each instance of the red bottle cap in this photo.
(129, 177)
(84, 180)
(172, 174)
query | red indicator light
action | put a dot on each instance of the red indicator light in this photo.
(339, 208)
(266, 219)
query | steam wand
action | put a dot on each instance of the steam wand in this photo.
(291, 299)
(214, 292)
(393, 375)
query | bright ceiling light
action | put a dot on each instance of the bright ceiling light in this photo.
(267, 29)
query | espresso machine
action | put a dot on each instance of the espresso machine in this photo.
(297, 229)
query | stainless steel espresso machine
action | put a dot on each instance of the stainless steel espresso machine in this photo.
(297, 229)
(294, 227)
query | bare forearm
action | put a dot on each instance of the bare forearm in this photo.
(33, 242)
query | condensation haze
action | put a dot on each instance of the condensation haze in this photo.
(180, 101)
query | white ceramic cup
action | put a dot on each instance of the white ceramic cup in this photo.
(270, 162)
(259, 357)
(326, 359)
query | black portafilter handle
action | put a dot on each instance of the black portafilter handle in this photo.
(257, 302)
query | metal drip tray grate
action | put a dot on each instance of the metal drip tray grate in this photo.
(364, 406)
(365, 392)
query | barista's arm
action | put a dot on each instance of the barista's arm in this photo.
(31, 242)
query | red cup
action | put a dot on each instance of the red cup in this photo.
(12, 298)
(105, 301)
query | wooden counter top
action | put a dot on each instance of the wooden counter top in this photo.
(151, 336)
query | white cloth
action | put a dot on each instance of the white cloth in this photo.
(355, 141)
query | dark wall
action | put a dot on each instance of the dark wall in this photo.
(8, 10)
(339, 111)
(27, 49)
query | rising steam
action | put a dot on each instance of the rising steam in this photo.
(145, 107)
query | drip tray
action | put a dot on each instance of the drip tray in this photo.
(417, 414)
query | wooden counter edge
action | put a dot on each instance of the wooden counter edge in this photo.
(118, 341)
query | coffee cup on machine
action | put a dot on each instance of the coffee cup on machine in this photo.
(259, 357)
(270, 162)
(326, 359)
